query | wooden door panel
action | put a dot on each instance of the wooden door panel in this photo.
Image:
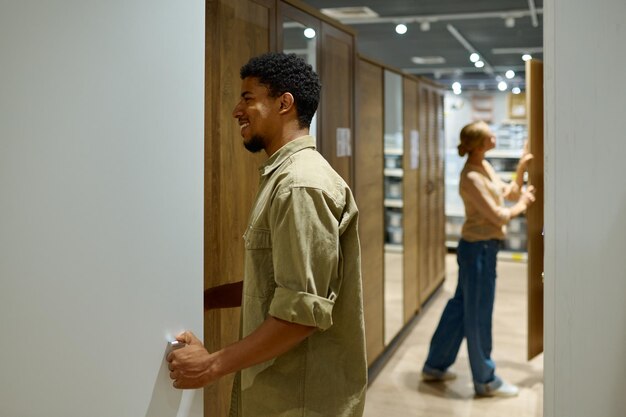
(368, 191)
(236, 30)
(534, 215)
(337, 76)
(411, 202)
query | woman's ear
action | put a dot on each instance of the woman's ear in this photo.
(286, 103)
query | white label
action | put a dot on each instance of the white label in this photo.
(344, 146)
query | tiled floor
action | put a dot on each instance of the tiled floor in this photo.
(398, 391)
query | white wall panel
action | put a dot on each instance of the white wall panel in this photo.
(585, 283)
(101, 203)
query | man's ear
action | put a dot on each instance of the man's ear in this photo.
(286, 103)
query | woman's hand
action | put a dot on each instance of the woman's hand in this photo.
(525, 158)
(528, 196)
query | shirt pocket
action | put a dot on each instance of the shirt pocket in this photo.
(259, 267)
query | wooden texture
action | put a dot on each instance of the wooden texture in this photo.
(411, 210)
(336, 108)
(431, 189)
(368, 191)
(236, 31)
(534, 215)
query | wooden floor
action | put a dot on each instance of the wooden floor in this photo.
(399, 392)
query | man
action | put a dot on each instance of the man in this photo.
(302, 351)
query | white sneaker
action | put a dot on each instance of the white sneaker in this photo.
(505, 390)
(438, 376)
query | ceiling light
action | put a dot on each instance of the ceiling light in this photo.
(401, 28)
(474, 57)
(479, 64)
(457, 92)
(309, 33)
(425, 26)
(509, 22)
(428, 60)
(509, 74)
(516, 90)
(527, 57)
(502, 86)
(456, 85)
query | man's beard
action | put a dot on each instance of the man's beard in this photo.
(255, 144)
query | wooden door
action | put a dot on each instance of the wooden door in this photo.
(423, 192)
(411, 201)
(534, 215)
(336, 108)
(368, 190)
(236, 30)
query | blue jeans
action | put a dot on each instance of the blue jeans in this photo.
(468, 314)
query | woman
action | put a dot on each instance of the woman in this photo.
(469, 313)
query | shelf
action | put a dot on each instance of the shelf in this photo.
(394, 172)
(394, 151)
(390, 202)
(391, 247)
(504, 153)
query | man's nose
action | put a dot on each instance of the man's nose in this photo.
(237, 112)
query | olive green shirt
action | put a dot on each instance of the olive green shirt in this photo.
(302, 265)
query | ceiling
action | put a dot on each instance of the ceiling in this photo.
(456, 28)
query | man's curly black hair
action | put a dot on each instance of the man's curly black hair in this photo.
(287, 73)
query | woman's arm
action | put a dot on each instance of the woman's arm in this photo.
(478, 195)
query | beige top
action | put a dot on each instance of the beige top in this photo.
(302, 265)
(482, 192)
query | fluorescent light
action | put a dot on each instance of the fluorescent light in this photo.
(516, 90)
(474, 57)
(502, 86)
(527, 57)
(309, 33)
(401, 28)
(509, 74)
(479, 64)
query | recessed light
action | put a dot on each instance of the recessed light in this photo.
(509, 74)
(479, 64)
(502, 86)
(401, 28)
(428, 60)
(474, 57)
(527, 57)
(516, 90)
(309, 33)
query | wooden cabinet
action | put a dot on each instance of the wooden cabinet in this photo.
(431, 189)
(411, 212)
(368, 191)
(236, 31)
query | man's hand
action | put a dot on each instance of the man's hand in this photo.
(190, 367)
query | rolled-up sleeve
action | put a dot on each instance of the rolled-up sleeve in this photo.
(305, 251)
(302, 308)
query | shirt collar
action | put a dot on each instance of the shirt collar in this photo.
(281, 155)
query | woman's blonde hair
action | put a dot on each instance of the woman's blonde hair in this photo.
(472, 137)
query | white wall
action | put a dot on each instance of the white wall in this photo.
(101, 203)
(585, 221)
